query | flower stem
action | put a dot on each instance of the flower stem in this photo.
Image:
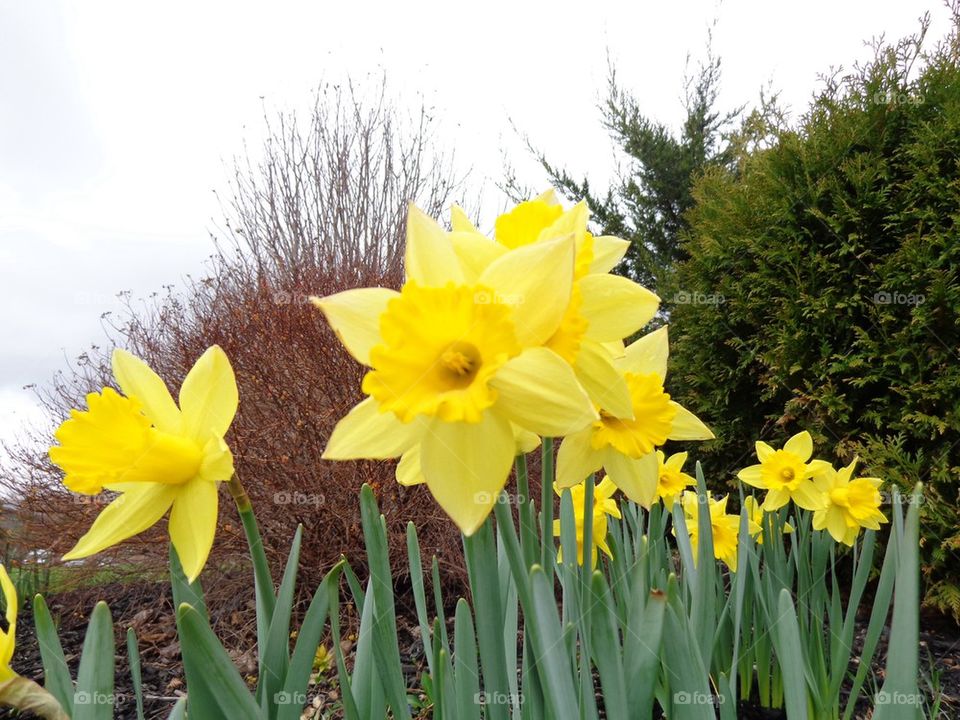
(261, 568)
(547, 558)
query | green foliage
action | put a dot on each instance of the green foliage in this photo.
(647, 202)
(823, 289)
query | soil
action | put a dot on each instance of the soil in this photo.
(147, 608)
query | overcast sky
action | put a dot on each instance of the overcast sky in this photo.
(118, 119)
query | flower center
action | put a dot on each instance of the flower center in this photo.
(787, 474)
(840, 496)
(459, 363)
(653, 419)
(440, 348)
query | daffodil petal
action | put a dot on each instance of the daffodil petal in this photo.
(615, 306)
(460, 222)
(430, 260)
(539, 297)
(800, 445)
(572, 222)
(465, 465)
(775, 499)
(606, 386)
(139, 507)
(637, 479)
(193, 524)
(527, 441)
(835, 523)
(408, 469)
(807, 496)
(608, 251)
(475, 253)
(137, 380)
(647, 355)
(548, 196)
(208, 396)
(539, 391)
(576, 459)
(366, 432)
(217, 463)
(752, 475)
(687, 426)
(354, 315)
(763, 450)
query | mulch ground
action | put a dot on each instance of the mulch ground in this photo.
(148, 608)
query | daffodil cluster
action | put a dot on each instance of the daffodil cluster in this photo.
(493, 342)
(841, 505)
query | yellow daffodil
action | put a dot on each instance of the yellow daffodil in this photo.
(8, 638)
(602, 309)
(16, 691)
(157, 455)
(755, 515)
(848, 504)
(671, 480)
(786, 474)
(457, 364)
(725, 529)
(603, 505)
(624, 446)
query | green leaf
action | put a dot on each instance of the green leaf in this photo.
(386, 644)
(94, 698)
(554, 666)
(179, 711)
(900, 698)
(481, 553)
(790, 653)
(55, 671)
(607, 651)
(466, 672)
(641, 651)
(275, 655)
(215, 689)
(308, 640)
(133, 659)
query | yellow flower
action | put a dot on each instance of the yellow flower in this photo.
(725, 529)
(755, 515)
(8, 638)
(601, 310)
(457, 367)
(603, 505)
(156, 455)
(624, 445)
(671, 480)
(786, 474)
(848, 504)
